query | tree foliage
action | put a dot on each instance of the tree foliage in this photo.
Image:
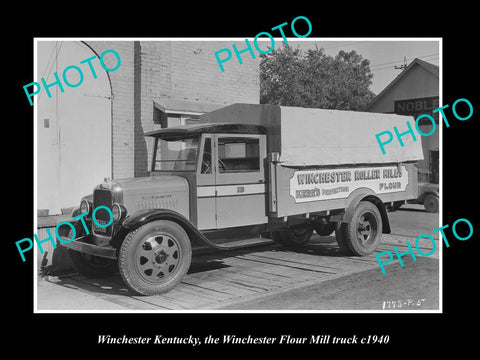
(314, 79)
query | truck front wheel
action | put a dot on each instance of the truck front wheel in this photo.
(154, 258)
(363, 233)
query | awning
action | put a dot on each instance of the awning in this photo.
(180, 106)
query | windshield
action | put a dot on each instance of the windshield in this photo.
(176, 154)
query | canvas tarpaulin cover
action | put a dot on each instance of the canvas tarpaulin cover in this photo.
(331, 137)
(320, 137)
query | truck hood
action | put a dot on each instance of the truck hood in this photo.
(155, 192)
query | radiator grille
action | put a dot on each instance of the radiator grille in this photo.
(102, 198)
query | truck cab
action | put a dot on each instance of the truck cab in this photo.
(242, 176)
(224, 168)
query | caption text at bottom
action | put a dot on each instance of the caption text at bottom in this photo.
(245, 340)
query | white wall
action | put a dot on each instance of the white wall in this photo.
(74, 152)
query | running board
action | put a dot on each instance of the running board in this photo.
(237, 244)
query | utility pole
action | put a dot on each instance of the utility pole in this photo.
(404, 66)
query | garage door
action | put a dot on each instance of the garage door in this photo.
(73, 127)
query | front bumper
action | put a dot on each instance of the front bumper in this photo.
(80, 244)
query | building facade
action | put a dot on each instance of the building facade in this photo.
(415, 91)
(96, 130)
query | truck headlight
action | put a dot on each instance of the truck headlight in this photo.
(119, 212)
(85, 206)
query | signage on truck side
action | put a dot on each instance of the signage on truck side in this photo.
(314, 185)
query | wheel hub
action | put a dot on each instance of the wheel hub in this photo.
(157, 257)
(364, 229)
(160, 257)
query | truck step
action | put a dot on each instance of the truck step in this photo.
(235, 244)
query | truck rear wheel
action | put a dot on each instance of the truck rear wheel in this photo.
(364, 231)
(154, 258)
(296, 235)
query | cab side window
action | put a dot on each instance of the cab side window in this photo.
(207, 157)
(238, 154)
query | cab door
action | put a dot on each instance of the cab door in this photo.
(240, 185)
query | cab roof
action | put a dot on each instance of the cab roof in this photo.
(201, 128)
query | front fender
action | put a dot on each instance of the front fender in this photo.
(76, 211)
(142, 217)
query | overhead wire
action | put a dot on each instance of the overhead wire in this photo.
(390, 67)
(375, 66)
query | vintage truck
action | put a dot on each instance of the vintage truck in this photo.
(428, 196)
(245, 173)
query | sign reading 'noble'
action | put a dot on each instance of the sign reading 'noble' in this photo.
(314, 185)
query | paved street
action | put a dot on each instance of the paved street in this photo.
(272, 277)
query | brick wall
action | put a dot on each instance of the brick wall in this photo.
(196, 74)
(188, 71)
(158, 70)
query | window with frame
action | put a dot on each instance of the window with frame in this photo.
(238, 154)
(176, 154)
(207, 157)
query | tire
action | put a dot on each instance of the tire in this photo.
(341, 241)
(324, 229)
(431, 203)
(154, 258)
(297, 235)
(89, 265)
(364, 231)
